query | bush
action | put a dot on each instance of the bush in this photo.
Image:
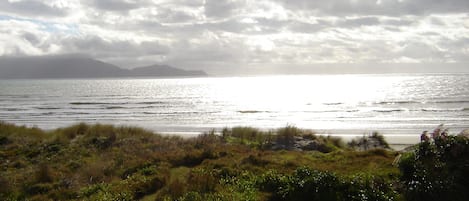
(93, 189)
(437, 170)
(307, 184)
(145, 169)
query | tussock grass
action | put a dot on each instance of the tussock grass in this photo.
(105, 162)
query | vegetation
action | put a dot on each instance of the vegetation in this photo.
(372, 141)
(437, 170)
(103, 162)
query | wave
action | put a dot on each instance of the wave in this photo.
(443, 109)
(422, 110)
(339, 103)
(151, 113)
(251, 111)
(115, 107)
(151, 102)
(328, 111)
(420, 102)
(396, 102)
(450, 101)
(90, 103)
(175, 113)
(15, 96)
(13, 109)
(47, 108)
(389, 110)
(129, 107)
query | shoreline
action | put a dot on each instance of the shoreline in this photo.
(398, 139)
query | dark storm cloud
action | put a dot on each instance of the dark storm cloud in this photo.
(30, 8)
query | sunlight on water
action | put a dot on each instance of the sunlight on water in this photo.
(402, 104)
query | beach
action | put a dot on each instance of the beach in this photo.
(399, 106)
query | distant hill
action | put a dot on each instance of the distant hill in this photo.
(164, 71)
(80, 67)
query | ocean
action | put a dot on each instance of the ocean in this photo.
(396, 105)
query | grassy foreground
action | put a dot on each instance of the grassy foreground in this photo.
(104, 162)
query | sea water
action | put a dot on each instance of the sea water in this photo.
(393, 104)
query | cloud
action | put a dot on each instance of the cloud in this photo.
(225, 34)
(360, 21)
(377, 7)
(30, 8)
(105, 49)
(114, 5)
(23, 38)
(221, 8)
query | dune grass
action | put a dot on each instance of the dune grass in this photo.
(105, 162)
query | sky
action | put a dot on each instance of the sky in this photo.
(239, 35)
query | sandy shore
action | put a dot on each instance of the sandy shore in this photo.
(397, 139)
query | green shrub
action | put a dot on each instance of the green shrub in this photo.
(437, 170)
(307, 184)
(272, 181)
(145, 168)
(112, 196)
(93, 189)
(193, 196)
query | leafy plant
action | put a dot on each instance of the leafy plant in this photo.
(437, 170)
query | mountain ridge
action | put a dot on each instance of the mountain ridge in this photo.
(81, 67)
